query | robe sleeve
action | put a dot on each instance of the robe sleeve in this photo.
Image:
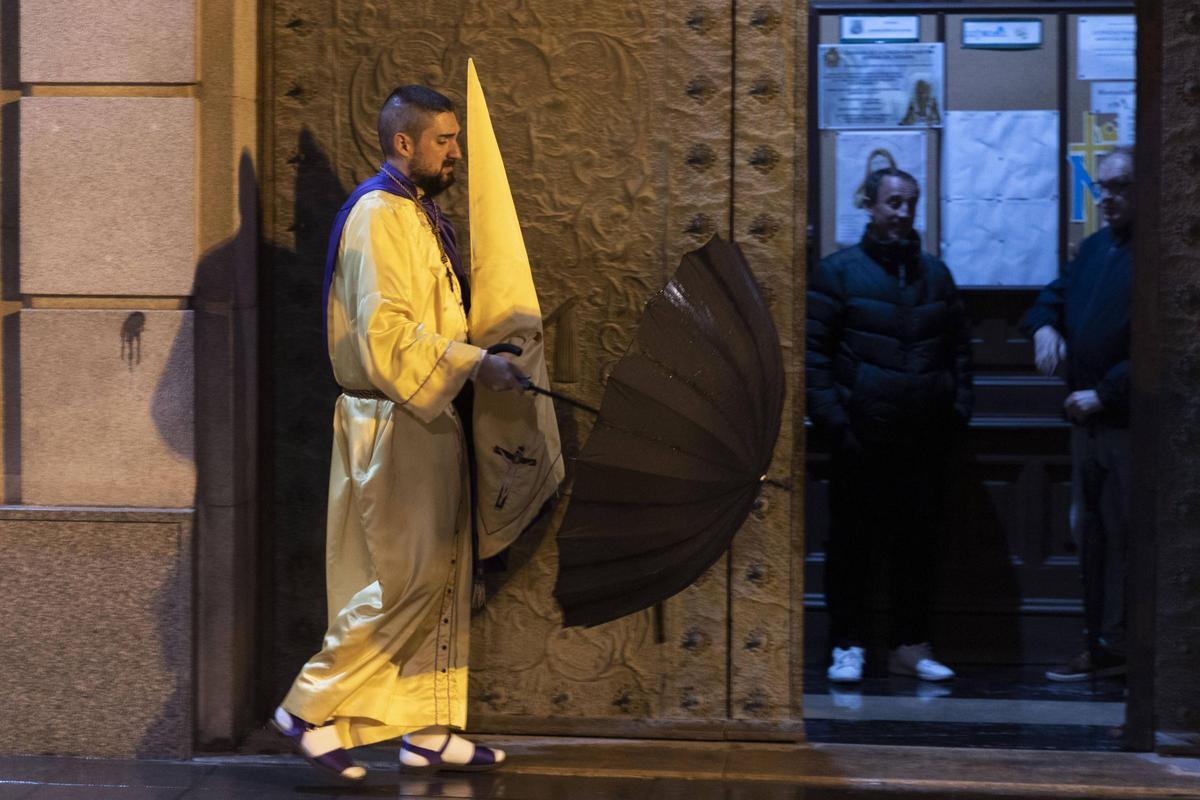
(407, 359)
(1050, 306)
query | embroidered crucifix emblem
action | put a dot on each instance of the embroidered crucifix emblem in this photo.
(514, 460)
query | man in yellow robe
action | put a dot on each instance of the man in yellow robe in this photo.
(399, 550)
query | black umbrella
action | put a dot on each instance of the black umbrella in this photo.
(678, 454)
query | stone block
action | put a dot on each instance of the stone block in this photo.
(114, 208)
(116, 41)
(107, 408)
(96, 646)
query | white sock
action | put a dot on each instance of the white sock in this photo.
(319, 741)
(285, 721)
(316, 742)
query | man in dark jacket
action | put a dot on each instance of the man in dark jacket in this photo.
(1083, 319)
(890, 379)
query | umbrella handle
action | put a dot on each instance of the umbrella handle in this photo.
(505, 347)
(528, 384)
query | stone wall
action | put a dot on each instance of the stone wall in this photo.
(128, 371)
(96, 646)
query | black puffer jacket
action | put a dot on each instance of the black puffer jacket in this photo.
(889, 345)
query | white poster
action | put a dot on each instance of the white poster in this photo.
(1107, 48)
(1001, 242)
(1120, 98)
(861, 152)
(1000, 197)
(881, 85)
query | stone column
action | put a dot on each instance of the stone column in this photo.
(1164, 702)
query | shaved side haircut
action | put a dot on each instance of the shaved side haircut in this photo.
(407, 110)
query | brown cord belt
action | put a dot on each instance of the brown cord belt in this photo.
(364, 394)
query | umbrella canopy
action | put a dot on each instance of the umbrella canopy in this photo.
(676, 459)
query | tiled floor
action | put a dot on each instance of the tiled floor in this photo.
(984, 706)
(981, 682)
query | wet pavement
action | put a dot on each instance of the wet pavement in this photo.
(162, 781)
(583, 769)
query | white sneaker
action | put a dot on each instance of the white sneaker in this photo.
(918, 660)
(847, 666)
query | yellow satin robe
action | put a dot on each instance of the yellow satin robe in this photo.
(398, 554)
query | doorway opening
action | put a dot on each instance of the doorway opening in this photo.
(1001, 113)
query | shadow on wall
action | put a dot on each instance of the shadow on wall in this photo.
(216, 356)
(297, 398)
(221, 348)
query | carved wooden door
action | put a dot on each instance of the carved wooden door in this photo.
(625, 149)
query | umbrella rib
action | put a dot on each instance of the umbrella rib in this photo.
(648, 438)
(699, 534)
(767, 364)
(644, 504)
(647, 355)
(701, 539)
(717, 345)
(709, 556)
(736, 311)
(646, 398)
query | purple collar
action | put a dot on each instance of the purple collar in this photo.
(393, 181)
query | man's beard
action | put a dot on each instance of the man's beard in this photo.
(432, 183)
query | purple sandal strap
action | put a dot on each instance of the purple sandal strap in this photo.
(432, 756)
(484, 756)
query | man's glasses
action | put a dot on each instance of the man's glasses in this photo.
(1114, 187)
